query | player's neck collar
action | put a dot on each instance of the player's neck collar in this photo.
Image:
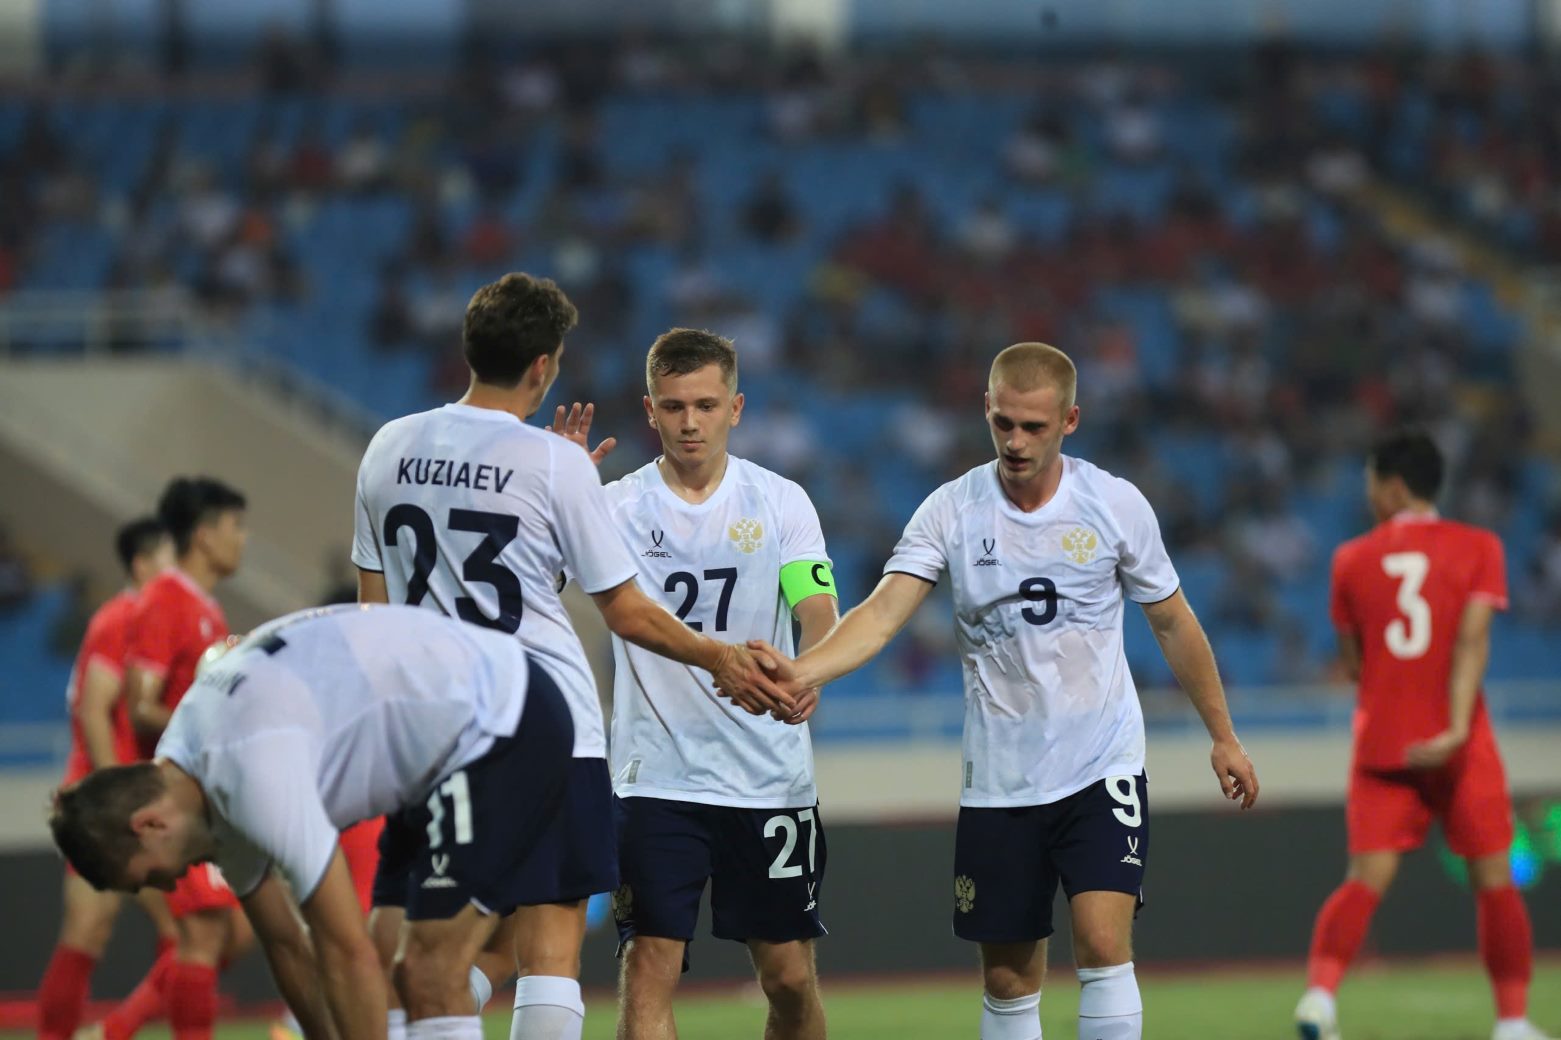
(716, 493)
(1046, 508)
(185, 578)
(1413, 515)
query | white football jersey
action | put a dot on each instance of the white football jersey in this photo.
(1050, 707)
(327, 717)
(717, 566)
(473, 513)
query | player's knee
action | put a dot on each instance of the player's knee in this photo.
(1490, 872)
(1100, 945)
(88, 931)
(652, 966)
(788, 985)
(428, 983)
(1006, 982)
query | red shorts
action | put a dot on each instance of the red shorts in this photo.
(360, 848)
(1393, 811)
(201, 888)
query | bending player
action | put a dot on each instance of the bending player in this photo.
(705, 793)
(100, 736)
(315, 722)
(1043, 549)
(469, 511)
(1413, 600)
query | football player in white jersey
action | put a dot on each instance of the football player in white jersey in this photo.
(1043, 549)
(317, 721)
(707, 793)
(468, 510)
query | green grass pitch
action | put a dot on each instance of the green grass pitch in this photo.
(1434, 1001)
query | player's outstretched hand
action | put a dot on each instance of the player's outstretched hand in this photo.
(741, 675)
(576, 426)
(1238, 777)
(1436, 752)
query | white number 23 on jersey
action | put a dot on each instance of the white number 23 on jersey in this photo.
(1409, 637)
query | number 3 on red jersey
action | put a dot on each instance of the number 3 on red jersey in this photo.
(1409, 636)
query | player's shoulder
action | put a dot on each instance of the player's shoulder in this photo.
(976, 487)
(117, 609)
(633, 486)
(779, 491)
(399, 430)
(1469, 536)
(165, 588)
(1106, 490)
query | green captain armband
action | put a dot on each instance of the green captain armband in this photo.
(804, 578)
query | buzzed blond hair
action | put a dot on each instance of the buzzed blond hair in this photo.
(1030, 366)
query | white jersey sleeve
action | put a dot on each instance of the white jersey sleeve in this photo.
(801, 535)
(268, 781)
(923, 549)
(594, 552)
(1144, 566)
(365, 536)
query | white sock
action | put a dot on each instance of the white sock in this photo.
(448, 1027)
(482, 989)
(1321, 997)
(396, 1024)
(1109, 1005)
(1513, 1027)
(1016, 1019)
(547, 1007)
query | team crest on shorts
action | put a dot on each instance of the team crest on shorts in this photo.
(747, 535)
(964, 894)
(1081, 545)
(623, 903)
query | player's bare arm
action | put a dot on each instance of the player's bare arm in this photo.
(290, 954)
(865, 630)
(638, 619)
(1187, 651)
(148, 714)
(95, 711)
(1471, 654)
(348, 963)
(576, 426)
(816, 616)
(371, 587)
(1349, 653)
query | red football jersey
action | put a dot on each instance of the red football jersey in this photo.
(173, 624)
(1401, 589)
(104, 644)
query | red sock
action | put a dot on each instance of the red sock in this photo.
(146, 1002)
(1340, 929)
(1507, 948)
(192, 1000)
(63, 992)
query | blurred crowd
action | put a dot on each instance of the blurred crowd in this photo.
(1259, 317)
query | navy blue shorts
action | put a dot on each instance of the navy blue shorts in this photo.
(765, 868)
(490, 833)
(1008, 861)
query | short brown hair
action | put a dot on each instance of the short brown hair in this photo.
(91, 820)
(1030, 366)
(512, 322)
(677, 352)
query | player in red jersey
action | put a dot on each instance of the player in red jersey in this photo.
(174, 622)
(1412, 601)
(100, 736)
